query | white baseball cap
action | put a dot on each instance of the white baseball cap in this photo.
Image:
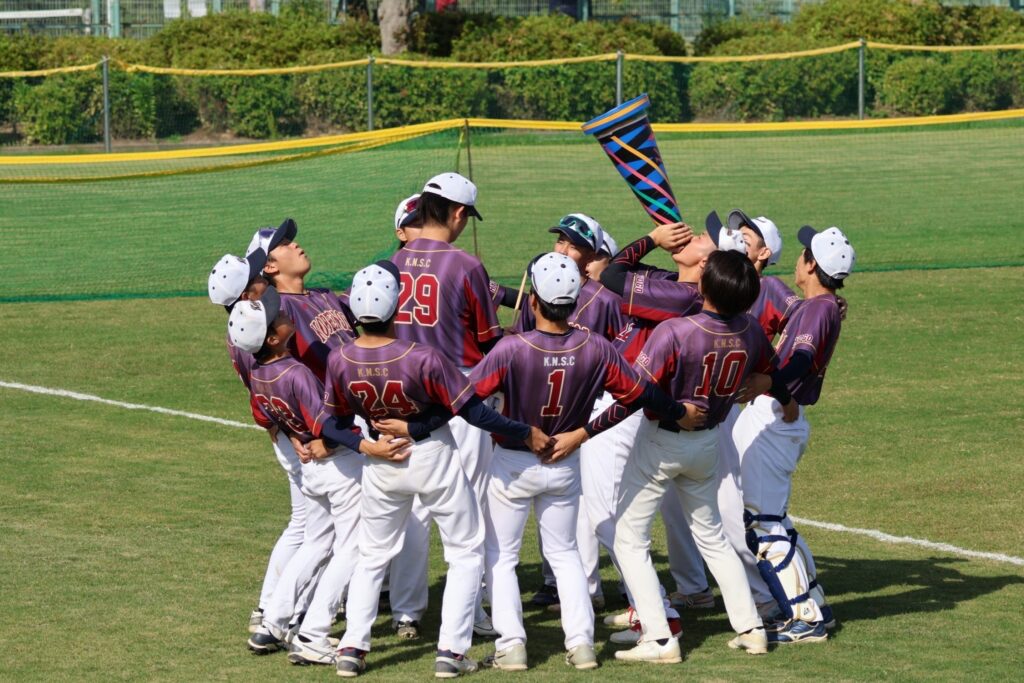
(232, 274)
(374, 293)
(580, 229)
(456, 188)
(250, 321)
(765, 229)
(608, 244)
(407, 211)
(555, 278)
(269, 239)
(724, 238)
(831, 250)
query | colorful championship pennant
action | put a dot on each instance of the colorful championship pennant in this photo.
(626, 136)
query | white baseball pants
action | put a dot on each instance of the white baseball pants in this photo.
(518, 479)
(408, 570)
(769, 451)
(291, 538)
(433, 473)
(686, 461)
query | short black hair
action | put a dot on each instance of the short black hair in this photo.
(435, 208)
(556, 313)
(378, 327)
(730, 282)
(826, 280)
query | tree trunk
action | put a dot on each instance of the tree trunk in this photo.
(394, 20)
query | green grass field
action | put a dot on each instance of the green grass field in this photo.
(133, 543)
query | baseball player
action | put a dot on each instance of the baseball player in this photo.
(291, 395)
(700, 360)
(771, 436)
(379, 376)
(575, 365)
(232, 279)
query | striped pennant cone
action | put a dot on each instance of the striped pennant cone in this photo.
(626, 136)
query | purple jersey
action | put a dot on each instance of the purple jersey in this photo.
(445, 301)
(703, 360)
(550, 381)
(650, 298)
(497, 293)
(598, 309)
(398, 380)
(773, 305)
(322, 322)
(243, 363)
(291, 395)
(814, 326)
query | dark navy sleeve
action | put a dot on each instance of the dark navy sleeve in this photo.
(479, 415)
(341, 430)
(421, 425)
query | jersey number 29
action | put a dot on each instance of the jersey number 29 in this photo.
(424, 290)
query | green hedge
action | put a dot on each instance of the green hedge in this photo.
(68, 108)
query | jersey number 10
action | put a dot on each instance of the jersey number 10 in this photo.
(733, 364)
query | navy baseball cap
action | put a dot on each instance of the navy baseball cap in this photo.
(724, 238)
(269, 239)
(580, 229)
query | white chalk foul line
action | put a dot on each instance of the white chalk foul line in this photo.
(870, 533)
(907, 540)
(120, 404)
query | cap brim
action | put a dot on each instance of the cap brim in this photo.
(577, 239)
(257, 260)
(805, 235)
(737, 219)
(285, 231)
(713, 225)
(271, 301)
(473, 212)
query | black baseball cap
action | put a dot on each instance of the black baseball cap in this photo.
(286, 231)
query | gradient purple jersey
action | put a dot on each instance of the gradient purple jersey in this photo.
(398, 380)
(243, 363)
(598, 309)
(814, 325)
(323, 322)
(445, 301)
(703, 360)
(497, 293)
(650, 298)
(550, 381)
(291, 395)
(773, 305)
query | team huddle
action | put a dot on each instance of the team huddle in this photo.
(615, 395)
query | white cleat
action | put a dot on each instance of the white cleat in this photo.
(512, 658)
(308, 652)
(755, 642)
(255, 620)
(582, 657)
(621, 619)
(650, 651)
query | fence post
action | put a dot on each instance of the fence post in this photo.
(618, 77)
(860, 78)
(114, 18)
(217, 8)
(275, 7)
(94, 18)
(106, 103)
(369, 93)
(469, 168)
(732, 8)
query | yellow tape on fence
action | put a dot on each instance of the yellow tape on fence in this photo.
(50, 72)
(745, 58)
(609, 57)
(944, 48)
(277, 71)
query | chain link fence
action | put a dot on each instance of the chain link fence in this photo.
(142, 18)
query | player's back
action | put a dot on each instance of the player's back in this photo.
(551, 381)
(289, 393)
(398, 380)
(814, 325)
(322, 322)
(598, 309)
(703, 359)
(773, 305)
(445, 300)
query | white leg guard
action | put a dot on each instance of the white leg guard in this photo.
(782, 567)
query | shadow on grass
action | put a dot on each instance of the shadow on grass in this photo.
(932, 584)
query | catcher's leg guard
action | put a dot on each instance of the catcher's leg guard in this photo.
(780, 565)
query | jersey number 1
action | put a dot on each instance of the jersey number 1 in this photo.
(554, 405)
(424, 290)
(733, 364)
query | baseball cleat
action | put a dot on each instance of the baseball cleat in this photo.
(632, 635)
(485, 628)
(621, 619)
(350, 662)
(407, 629)
(267, 639)
(305, 652)
(582, 657)
(754, 641)
(255, 620)
(702, 600)
(799, 632)
(651, 651)
(448, 664)
(512, 658)
(547, 595)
